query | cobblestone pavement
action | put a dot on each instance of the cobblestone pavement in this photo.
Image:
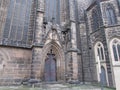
(55, 87)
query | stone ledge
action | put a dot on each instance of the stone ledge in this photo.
(74, 50)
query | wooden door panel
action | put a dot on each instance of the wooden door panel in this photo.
(50, 68)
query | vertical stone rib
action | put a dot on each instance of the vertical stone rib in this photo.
(39, 21)
(36, 63)
(73, 39)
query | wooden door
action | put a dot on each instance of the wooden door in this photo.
(50, 68)
(103, 76)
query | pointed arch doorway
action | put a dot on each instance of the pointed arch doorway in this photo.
(103, 76)
(50, 68)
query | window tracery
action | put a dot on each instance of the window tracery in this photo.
(110, 14)
(17, 22)
(116, 49)
(99, 49)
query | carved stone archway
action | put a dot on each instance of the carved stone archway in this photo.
(57, 50)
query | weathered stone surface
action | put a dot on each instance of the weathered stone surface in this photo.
(17, 64)
(72, 44)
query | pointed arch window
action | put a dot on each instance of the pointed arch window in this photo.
(116, 49)
(100, 51)
(17, 22)
(110, 14)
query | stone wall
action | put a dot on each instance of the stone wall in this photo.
(87, 64)
(15, 65)
(95, 36)
(111, 32)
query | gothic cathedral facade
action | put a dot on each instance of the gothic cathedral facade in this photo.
(54, 41)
